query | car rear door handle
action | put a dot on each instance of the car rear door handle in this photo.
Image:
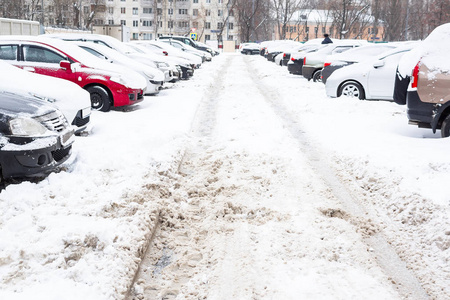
(29, 69)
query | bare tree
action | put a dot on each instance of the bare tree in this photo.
(349, 16)
(283, 11)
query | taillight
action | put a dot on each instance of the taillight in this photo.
(304, 60)
(293, 59)
(165, 53)
(326, 64)
(284, 55)
(415, 76)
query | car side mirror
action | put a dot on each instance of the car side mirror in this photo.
(65, 65)
(378, 64)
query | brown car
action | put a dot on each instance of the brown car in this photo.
(428, 97)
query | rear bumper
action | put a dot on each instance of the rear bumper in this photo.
(308, 72)
(420, 113)
(296, 67)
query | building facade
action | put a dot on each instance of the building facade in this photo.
(146, 19)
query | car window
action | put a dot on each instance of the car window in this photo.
(8, 52)
(39, 54)
(176, 45)
(341, 49)
(92, 51)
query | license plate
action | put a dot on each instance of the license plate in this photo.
(66, 137)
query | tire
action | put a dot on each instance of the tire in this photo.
(352, 89)
(100, 99)
(317, 76)
(445, 127)
(247, 52)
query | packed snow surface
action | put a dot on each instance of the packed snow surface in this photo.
(261, 186)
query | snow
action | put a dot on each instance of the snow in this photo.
(254, 140)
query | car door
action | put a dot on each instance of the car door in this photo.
(44, 60)
(381, 77)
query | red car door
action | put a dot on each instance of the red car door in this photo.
(46, 61)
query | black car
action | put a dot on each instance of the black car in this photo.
(295, 66)
(34, 138)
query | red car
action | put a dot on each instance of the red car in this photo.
(108, 85)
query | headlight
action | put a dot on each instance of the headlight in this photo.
(118, 79)
(26, 127)
(149, 75)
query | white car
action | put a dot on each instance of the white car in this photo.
(154, 77)
(370, 79)
(189, 49)
(195, 61)
(117, 45)
(73, 101)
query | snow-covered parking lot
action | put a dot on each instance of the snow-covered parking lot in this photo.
(244, 182)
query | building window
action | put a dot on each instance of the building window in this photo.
(160, 24)
(230, 37)
(207, 37)
(219, 12)
(111, 10)
(147, 10)
(182, 11)
(110, 22)
(207, 12)
(147, 36)
(195, 12)
(170, 24)
(135, 11)
(170, 11)
(220, 1)
(231, 13)
(123, 10)
(147, 23)
(123, 22)
(195, 1)
(135, 36)
(86, 9)
(208, 1)
(159, 11)
(207, 25)
(195, 24)
(230, 26)
(307, 29)
(323, 29)
(135, 23)
(219, 25)
(183, 24)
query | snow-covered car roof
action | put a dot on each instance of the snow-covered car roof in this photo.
(360, 53)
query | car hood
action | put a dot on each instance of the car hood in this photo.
(13, 105)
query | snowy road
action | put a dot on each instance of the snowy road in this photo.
(262, 214)
(244, 182)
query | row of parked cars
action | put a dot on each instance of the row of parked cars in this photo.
(415, 73)
(49, 84)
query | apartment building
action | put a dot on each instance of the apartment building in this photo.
(147, 19)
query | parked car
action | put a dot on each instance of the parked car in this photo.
(108, 85)
(313, 62)
(428, 94)
(370, 79)
(73, 101)
(277, 48)
(249, 48)
(190, 42)
(120, 47)
(205, 56)
(35, 138)
(295, 63)
(153, 76)
(186, 65)
(339, 60)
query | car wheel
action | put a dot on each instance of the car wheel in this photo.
(100, 99)
(317, 76)
(445, 127)
(247, 52)
(352, 89)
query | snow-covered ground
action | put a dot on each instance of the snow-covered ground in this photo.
(261, 186)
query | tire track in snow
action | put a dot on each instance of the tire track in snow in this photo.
(406, 283)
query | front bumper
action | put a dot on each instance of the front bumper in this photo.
(27, 160)
(127, 96)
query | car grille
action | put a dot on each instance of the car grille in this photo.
(60, 154)
(80, 121)
(140, 96)
(54, 121)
